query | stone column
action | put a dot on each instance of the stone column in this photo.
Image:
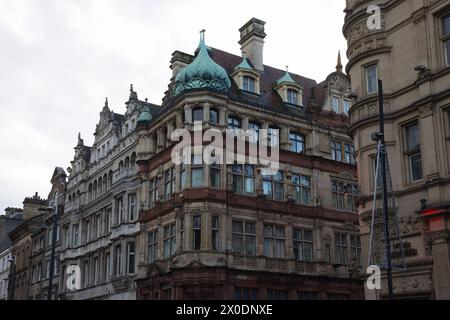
(284, 138)
(223, 117)
(206, 114)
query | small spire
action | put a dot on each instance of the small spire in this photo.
(106, 102)
(287, 68)
(133, 94)
(146, 100)
(80, 141)
(339, 66)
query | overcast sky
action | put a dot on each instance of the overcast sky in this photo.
(59, 59)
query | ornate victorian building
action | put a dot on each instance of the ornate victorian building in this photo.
(100, 228)
(231, 231)
(410, 51)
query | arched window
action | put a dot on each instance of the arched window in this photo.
(133, 159)
(121, 166)
(95, 190)
(197, 115)
(90, 193)
(127, 162)
(100, 186)
(110, 179)
(105, 183)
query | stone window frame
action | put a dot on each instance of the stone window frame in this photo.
(276, 238)
(152, 244)
(365, 68)
(245, 235)
(169, 239)
(408, 154)
(301, 242)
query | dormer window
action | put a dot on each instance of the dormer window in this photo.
(289, 90)
(247, 78)
(249, 84)
(336, 104)
(292, 96)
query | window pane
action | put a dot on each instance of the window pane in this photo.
(197, 115)
(335, 104)
(213, 116)
(372, 79)
(250, 228)
(346, 106)
(447, 45)
(250, 245)
(267, 187)
(416, 167)
(197, 177)
(238, 227)
(446, 28)
(412, 136)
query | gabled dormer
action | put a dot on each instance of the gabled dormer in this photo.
(247, 78)
(289, 90)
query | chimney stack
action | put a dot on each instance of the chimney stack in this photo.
(252, 42)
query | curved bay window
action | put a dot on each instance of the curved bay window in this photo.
(243, 179)
(297, 142)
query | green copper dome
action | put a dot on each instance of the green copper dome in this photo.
(145, 115)
(203, 72)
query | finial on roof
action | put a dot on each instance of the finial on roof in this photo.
(146, 100)
(287, 68)
(133, 94)
(339, 66)
(80, 141)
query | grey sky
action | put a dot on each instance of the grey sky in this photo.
(59, 59)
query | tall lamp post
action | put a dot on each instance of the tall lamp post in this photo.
(383, 156)
(54, 220)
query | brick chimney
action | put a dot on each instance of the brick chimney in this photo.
(252, 42)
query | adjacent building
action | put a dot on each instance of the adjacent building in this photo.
(21, 248)
(9, 221)
(234, 231)
(100, 228)
(409, 49)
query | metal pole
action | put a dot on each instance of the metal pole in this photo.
(52, 257)
(385, 193)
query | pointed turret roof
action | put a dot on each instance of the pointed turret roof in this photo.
(203, 72)
(339, 66)
(245, 65)
(286, 78)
